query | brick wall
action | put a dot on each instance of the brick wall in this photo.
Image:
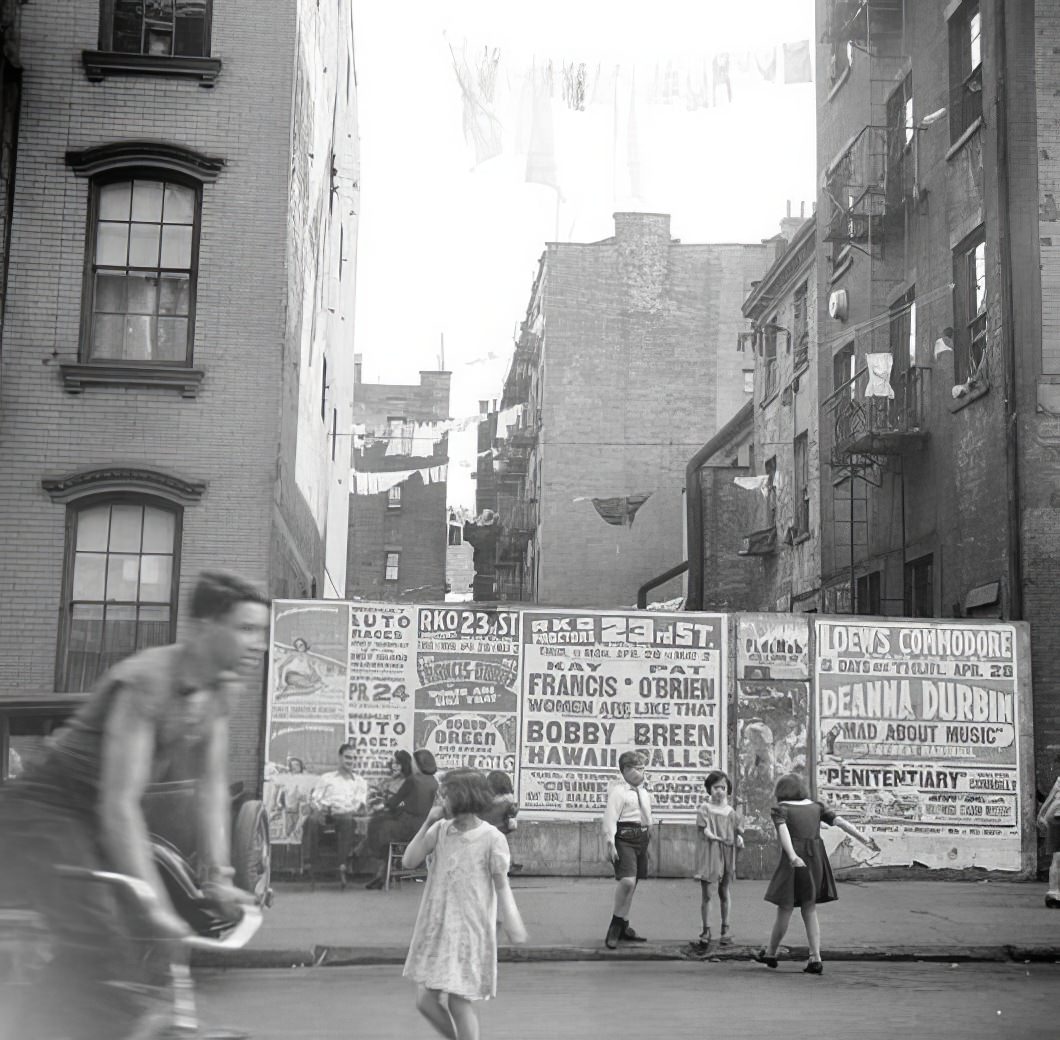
(627, 320)
(230, 435)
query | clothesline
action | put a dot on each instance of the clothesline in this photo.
(376, 482)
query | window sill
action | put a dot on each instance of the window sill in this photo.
(844, 76)
(973, 395)
(973, 129)
(799, 539)
(99, 65)
(169, 377)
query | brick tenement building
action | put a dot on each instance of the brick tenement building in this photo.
(629, 351)
(177, 336)
(398, 535)
(939, 154)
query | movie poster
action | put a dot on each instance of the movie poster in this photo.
(597, 684)
(918, 739)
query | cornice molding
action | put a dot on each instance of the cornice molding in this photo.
(71, 486)
(118, 155)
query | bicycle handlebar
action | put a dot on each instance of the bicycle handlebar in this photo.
(240, 934)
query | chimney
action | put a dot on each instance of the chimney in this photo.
(789, 225)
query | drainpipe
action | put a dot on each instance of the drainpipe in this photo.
(694, 503)
(1008, 339)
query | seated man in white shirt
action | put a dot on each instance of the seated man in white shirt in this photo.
(340, 798)
(627, 828)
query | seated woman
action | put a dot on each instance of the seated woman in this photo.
(404, 811)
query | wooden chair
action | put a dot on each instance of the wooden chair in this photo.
(396, 871)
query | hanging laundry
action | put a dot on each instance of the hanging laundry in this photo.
(722, 79)
(766, 63)
(538, 326)
(541, 154)
(760, 483)
(508, 418)
(487, 74)
(879, 366)
(482, 128)
(374, 483)
(620, 511)
(797, 67)
(633, 163)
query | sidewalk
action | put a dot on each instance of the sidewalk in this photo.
(567, 918)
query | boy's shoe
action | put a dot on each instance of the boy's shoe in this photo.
(1052, 902)
(761, 957)
(614, 931)
(628, 935)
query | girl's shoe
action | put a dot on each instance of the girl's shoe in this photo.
(702, 944)
(814, 968)
(761, 957)
(726, 936)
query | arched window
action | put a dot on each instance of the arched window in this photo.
(120, 585)
(140, 279)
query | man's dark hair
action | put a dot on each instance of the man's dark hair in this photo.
(346, 747)
(500, 782)
(216, 593)
(466, 791)
(791, 788)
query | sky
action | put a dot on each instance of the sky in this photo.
(448, 248)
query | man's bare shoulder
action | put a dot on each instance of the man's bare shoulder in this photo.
(150, 674)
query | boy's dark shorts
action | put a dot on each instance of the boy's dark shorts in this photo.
(631, 843)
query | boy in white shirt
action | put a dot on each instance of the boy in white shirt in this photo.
(627, 829)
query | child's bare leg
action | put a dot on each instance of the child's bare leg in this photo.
(780, 928)
(704, 906)
(813, 930)
(464, 1018)
(429, 1004)
(624, 889)
(1054, 876)
(725, 899)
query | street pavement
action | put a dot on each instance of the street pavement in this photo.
(673, 1001)
(567, 918)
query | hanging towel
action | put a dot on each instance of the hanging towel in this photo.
(374, 483)
(541, 153)
(753, 483)
(879, 366)
(482, 128)
(797, 62)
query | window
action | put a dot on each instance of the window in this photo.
(769, 356)
(393, 497)
(969, 308)
(156, 27)
(919, 588)
(801, 326)
(771, 491)
(455, 535)
(399, 429)
(748, 380)
(802, 484)
(867, 594)
(324, 391)
(120, 586)
(392, 561)
(966, 68)
(140, 278)
(900, 133)
(903, 331)
(843, 368)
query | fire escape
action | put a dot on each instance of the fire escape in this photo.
(516, 505)
(876, 416)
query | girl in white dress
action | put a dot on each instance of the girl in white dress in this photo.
(453, 953)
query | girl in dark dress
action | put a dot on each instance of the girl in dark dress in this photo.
(803, 877)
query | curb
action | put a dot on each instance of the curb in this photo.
(362, 956)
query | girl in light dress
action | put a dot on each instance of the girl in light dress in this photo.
(720, 833)
(453, 953)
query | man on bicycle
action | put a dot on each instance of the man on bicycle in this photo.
(121, 971)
